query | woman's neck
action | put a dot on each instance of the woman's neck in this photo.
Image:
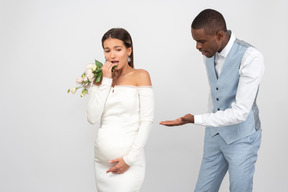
(123, 71)
(117, 74)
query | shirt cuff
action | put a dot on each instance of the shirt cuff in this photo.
(128, 161)
(198, 120)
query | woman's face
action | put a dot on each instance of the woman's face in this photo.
(116, 52)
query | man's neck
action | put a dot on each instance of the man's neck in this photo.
(226, 39)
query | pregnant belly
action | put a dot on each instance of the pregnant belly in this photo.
(109, 146)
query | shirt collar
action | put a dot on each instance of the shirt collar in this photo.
(229, 45)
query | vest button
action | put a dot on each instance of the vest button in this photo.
(217, 99)
(218, 109)
(217, 88)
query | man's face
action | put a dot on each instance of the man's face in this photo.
(207, 44)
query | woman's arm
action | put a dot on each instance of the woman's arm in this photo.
(98, 96)
(146, 98)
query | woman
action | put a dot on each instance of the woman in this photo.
(123, 102)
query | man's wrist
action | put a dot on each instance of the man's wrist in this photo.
(192, 119)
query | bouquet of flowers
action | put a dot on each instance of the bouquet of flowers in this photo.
(92, 74)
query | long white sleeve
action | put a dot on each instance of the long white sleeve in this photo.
(146, 98)
(98, 96)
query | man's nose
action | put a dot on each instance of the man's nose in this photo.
(198, 45)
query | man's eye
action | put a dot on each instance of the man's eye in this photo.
(118, 49)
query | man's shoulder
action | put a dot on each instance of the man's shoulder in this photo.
(249, 50)
(253, 52)
(243, 43)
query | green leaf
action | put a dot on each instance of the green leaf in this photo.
(98, 70)
(84, 92)
(114, 67)
(98, 77)
(98, 64)
(68, 90)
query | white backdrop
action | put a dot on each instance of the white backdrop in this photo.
(46, 144)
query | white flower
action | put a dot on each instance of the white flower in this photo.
(94, 67)
(91, 66)
(73, 90)
(89, 74)
(79, 80)
(90, 77)
(85, 78)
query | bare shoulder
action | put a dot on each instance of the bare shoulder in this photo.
(142, 77)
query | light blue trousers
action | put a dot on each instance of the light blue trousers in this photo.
(238, 158)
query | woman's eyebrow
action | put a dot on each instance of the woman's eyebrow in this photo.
(114, 47)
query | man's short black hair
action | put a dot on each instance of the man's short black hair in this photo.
(211, 20)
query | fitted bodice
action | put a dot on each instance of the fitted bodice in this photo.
(122, 107)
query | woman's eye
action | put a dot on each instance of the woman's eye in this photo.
(107, 51)
(118, 49)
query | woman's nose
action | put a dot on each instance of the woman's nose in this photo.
(112, 55)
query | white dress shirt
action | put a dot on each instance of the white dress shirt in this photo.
(251, 71)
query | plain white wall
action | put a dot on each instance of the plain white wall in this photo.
(46, 144)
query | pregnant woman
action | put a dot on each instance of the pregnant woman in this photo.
(123, 102)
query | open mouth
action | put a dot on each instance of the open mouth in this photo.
(116, 62)
(204, 52)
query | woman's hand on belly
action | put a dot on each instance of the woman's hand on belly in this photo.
(120, 166)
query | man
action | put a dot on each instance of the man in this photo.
(233, 129)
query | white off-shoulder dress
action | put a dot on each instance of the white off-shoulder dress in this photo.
(126, 118)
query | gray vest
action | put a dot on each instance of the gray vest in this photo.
(223, 92)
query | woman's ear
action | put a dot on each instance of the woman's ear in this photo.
(129, 51)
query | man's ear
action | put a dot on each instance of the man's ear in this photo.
(220, 35)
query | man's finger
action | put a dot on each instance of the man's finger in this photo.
(172, 122)
(165, 122)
